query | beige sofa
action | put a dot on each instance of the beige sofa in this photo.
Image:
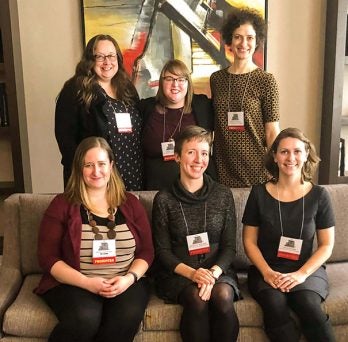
(25, 317)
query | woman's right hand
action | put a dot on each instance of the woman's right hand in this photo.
(205, 291)
(203, 276)
(272, 278)
(97, 285)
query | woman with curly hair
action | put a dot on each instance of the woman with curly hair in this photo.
(100, 100)
(245, 100)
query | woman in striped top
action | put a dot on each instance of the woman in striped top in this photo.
(94, 247)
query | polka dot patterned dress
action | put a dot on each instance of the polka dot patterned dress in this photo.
(126, 146)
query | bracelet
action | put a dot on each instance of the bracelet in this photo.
(135, 276)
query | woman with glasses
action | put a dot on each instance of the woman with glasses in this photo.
(100, 100)
(246, 104)
(164, 117)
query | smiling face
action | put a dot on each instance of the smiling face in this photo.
(243, 43)
(96, 169)
(193, 159)
(290, 156)
(174, 89)
(105, 68)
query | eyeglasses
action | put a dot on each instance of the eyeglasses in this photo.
(101, 58)
(170, 79)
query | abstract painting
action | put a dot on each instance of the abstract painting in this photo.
(150, 32)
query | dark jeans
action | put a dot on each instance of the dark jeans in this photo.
(84, 316)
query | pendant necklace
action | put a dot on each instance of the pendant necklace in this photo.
(111, 234)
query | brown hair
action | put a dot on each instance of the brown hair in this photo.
(192, 132)
(178, 68)
(309, 166)
(76, 191)
(86, 80)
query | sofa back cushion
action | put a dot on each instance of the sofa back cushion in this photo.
(240, 198)
(33, 206)
(31, 210)
(339, 198)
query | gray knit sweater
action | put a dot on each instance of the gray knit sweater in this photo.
(170, 231)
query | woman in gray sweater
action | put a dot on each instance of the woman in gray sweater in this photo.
(194, 228)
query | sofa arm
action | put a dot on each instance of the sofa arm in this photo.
(10, 283)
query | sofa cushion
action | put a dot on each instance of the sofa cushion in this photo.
(336, 304)
(339, 198)
(31, 210)
(29, 316)
(240, 198)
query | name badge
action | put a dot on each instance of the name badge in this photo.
(104, 252)
(235, 121)
(123, 121)
(289, 248)
(168, 150)
(198, 243)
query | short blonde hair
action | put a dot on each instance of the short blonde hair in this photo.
(189, 133)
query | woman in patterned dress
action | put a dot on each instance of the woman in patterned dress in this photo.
(245, 100)
(94, 247)
(100, 100)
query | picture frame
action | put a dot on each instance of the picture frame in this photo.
(151, 32)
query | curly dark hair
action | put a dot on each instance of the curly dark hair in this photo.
(86, 80)
(309, 166)
(240, 17)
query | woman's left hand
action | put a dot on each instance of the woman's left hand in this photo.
(118, 285)
(287, 281)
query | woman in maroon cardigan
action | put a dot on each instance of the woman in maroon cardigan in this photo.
(94, 247)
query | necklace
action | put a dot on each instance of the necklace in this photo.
(111, 234)
(177, 126)
(280, 213)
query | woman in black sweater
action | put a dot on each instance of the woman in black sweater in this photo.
(194, 229)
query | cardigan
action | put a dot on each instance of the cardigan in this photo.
(60, 236)
(73, 122)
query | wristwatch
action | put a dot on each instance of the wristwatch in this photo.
(135, 276)
(212, 271)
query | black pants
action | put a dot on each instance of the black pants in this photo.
(213, 320)
(276, 307)
(84, 316)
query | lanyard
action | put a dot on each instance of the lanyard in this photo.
(280, 213)
(177, 126)
(229, 91)
(205, 218)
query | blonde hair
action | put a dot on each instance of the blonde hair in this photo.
(76, 190)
